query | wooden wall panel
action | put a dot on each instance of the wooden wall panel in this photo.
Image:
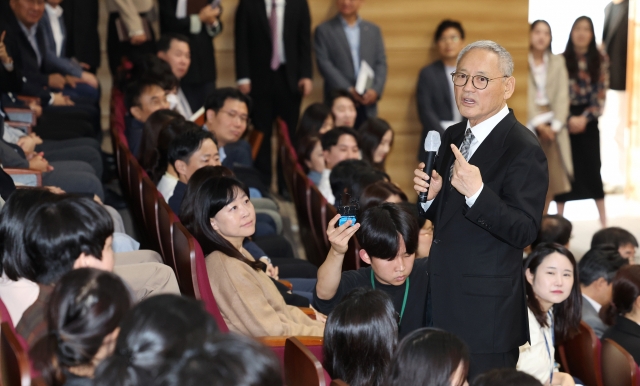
(408, 27)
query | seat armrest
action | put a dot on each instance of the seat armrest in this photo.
(278, 341)
(22, 126)
(16, 114)
(286, 283)
(25, 172)
(28, 99)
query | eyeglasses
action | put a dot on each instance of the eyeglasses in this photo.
(234, 114)
(480, 82)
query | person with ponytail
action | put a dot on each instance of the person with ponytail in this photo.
(555, 309)
(83, 314)
(219, 214)
(623, 314)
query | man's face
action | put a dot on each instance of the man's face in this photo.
(349, 7)
(450, 44)
(345, 112)
(28, 12)
(396, 271)
(346, 148)
(152, 99)
(178, 56)
(230, 123)
(628, 251)
(478, 105)
(206, 155)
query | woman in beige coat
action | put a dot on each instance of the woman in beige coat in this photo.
(220, 215)
(549, 108)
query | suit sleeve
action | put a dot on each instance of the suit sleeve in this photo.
(168, 20)
(332, 76)
(427, 114)
(242, 42)
(304, 41)
(380, 66)
(10, 158)
(514, 216)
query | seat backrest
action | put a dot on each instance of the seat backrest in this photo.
(150, 213)
(301, 367)
(318, 219)
(118, 114)
(618, 366)
(184, 251)
(580, 356)
(15, 369)
(165, 234)
(302, 203)
(339, 382)
(123, 172)
(204, 289)
(135, 190)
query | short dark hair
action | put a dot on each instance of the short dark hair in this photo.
(566, 315)
(625, 292)
(427, 356)
(353, 176)
(156, 330)
(554, 229)
(217, 99)
(86, 305)
(615, 236)
(360, 337)
(227, 359)
(58, 232)
(331, 137)
(136, 88)
(370, 135)
(312, 120)
(446, 24)
(183, 146)
(148, 153)
(164, 43)
(378, 192)
(381, 228)
(168, 133)
(505, 377)
(340, 93)
(601, 261)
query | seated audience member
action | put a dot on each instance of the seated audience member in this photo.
(379, 192)
(554, 301)
(388, 238)
(228, 359)
(152, 335)
(163, 173)
(83, 315)
(338, 145)
(148, 157)
(143, 97)
(189, 152)
(622, 239)
(375, 138)
(505, 377)
(623, 313)
(596, 269)
(220, 216)
(352, 177)
(360, 337)
(174, 49)
(554, 229)
(343, 108)
(311, 157)
(316, 120)
(429, 356)
(425, 237)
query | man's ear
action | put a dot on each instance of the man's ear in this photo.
(601, 282)
(82, 261)
(364, 256)
(136, 111)
(181, 167)
(510, 87)
(162, 55)
(529, 276)
(209, 116)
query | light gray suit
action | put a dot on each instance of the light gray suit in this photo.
(335, 63)
(591, 317)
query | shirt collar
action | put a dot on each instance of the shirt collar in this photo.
(593, 303)
(346, 25)
(57, 11)
(483, 129)
(30, 32)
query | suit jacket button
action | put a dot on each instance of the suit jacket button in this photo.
(436, 241)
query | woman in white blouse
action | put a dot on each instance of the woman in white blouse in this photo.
(548, 105)
(555, 304)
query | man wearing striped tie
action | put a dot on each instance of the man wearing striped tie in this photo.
(485, 198)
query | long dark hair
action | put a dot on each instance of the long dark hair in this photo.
(312, 119)
(626, 289)
(304, 148)
(594, 58)
(566, 315)
(370, 135)
(359, 338)
(156, 330)
(202, 201)
(534, 24)
(377, 193)
(428, 356)
(160, 156)
(148, 154)
(86, 305)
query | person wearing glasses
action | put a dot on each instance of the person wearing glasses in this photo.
(485, 199)
(436, 104)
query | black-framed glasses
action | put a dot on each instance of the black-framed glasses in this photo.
(480, 82)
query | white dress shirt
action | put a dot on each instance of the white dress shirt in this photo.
(54, 19)
(167, 185)
(325, 187)
(17, 296)
(593, 303)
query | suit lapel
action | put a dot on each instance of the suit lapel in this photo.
(261, 8)
(341, 38)
(452, 198)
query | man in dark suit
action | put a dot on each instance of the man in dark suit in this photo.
(341, 44)
(83, 41)
(200, 29)
(485, 200)
(436, 104)
(273, 65)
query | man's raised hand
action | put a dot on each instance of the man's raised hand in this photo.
(466, 178)
(339, 237)
(420, 180)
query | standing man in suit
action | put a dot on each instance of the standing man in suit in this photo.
(485, 199)
(200, 29)
(342, 43)
(273, 65)
(596, 271)
(83, 41)
(436, 103)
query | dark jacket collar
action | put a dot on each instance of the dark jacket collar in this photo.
(627, 326)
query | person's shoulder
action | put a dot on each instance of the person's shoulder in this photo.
(420, 265)
(355, 278)
(369, 24)
(519, 134)
(328, 24)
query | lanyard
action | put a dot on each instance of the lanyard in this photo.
(404, 301)
(552, 360)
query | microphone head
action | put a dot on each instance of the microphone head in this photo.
(432, 142)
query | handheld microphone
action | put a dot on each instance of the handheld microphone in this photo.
(431, 146)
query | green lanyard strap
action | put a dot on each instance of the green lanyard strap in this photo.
(404, 300)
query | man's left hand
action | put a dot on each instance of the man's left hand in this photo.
(305, 86)
(466, 178)
(370, 97)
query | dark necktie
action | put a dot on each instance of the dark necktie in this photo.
(464, 149)
(273, 22)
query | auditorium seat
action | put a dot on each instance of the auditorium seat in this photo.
(150, 213)
(580, 356)
(339, 382)
(255, 138)
(301, 367)
(184, 251)
(25, 177)
(166, 218)
(135, 192)
(123, 167)
(618, 366)
(302, 204)
(118, 114)
(14, 361)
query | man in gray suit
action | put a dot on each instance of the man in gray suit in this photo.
(341, 44)
(596, 271)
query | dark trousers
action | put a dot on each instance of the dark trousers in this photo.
(65, 122)
(481, 363)
(275, 100)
